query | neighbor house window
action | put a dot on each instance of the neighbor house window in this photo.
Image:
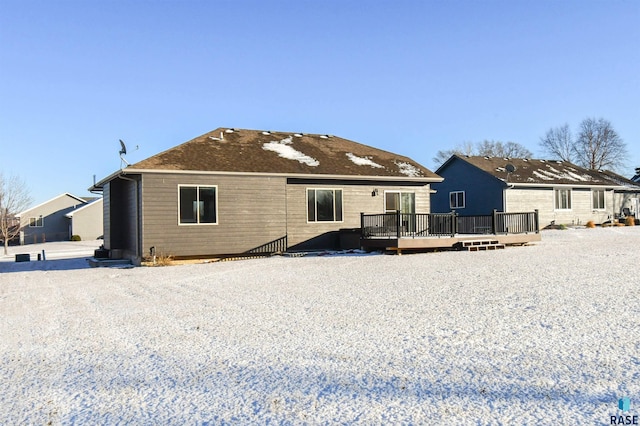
(563, 199)
(198, 205)
(597, 199)
(456, 199)
(324, 205)
(36, 222)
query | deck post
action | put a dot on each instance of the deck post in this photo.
(494, 230)
(537, 221)
(361, 225)
(454, 223)
(398, 223)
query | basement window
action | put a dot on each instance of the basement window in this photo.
(198, 205)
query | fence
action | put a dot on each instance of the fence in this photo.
(412, 225)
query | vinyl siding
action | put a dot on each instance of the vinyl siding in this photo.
(123, 217)
(356, 199)
(87, 223)
(525, 199)
(55, 223)
(106, 215)
(483, 192)
(250, 213)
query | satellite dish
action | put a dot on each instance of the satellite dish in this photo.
(122, 152)
(510, 168)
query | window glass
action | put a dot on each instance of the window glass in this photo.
(324, 205)
(563, 199)
(197, 204)
(188, 204)
(456, 199)
(598, 199)
(207, 205)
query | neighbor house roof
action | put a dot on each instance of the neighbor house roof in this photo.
(85, 206)
(535, 172)
(255, 151)
(65, 194)
(622, 181)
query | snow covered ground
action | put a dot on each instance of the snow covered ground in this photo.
(545, 334)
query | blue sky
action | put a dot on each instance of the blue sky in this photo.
(412, 77)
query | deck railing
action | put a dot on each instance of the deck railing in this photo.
(412, 225)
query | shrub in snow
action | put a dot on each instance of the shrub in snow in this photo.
(591, 224)
(76, 238)
(630, 221)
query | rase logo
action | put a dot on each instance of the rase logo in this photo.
(624, 404)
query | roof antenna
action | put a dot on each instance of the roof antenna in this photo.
(510, 168)
(123, 152)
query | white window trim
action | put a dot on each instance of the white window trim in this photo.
(186, 185)
(306, 210)
(558, 209)
(604, 200)
(35, 219)
(464, 199)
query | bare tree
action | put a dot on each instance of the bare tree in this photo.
(14, 198)
(558, 142)
(488, 148)
(598, 146)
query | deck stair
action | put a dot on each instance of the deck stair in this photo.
(479, 245)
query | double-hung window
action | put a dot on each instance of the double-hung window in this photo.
(324, 205)
(197, 205)
(456, 199)
(563, 199)
(597, 199)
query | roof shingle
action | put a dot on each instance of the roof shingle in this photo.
(255, 151)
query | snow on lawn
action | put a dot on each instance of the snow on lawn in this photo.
(548, 333)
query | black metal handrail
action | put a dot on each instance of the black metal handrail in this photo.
(403, 225)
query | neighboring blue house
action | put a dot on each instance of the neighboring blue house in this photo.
(563, 193)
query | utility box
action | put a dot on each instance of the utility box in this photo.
(25, 257)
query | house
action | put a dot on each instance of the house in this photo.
(234, 191)
(626, 200)
(563, 193)
(86, 221)
(47, 221)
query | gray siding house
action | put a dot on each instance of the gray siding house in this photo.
(47, 221)
(235, 191)
(86, 221)
(563, 193)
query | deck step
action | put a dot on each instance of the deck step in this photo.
(485, 247)
(479, 245)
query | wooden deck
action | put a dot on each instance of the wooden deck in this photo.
(430, 243)
(398, 232)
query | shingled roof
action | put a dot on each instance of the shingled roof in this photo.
(537, 172)
(255, 151)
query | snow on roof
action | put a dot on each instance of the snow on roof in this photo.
(363, 161)
(408, 169)
(284, 149)
(551, 173)
(542, 176)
